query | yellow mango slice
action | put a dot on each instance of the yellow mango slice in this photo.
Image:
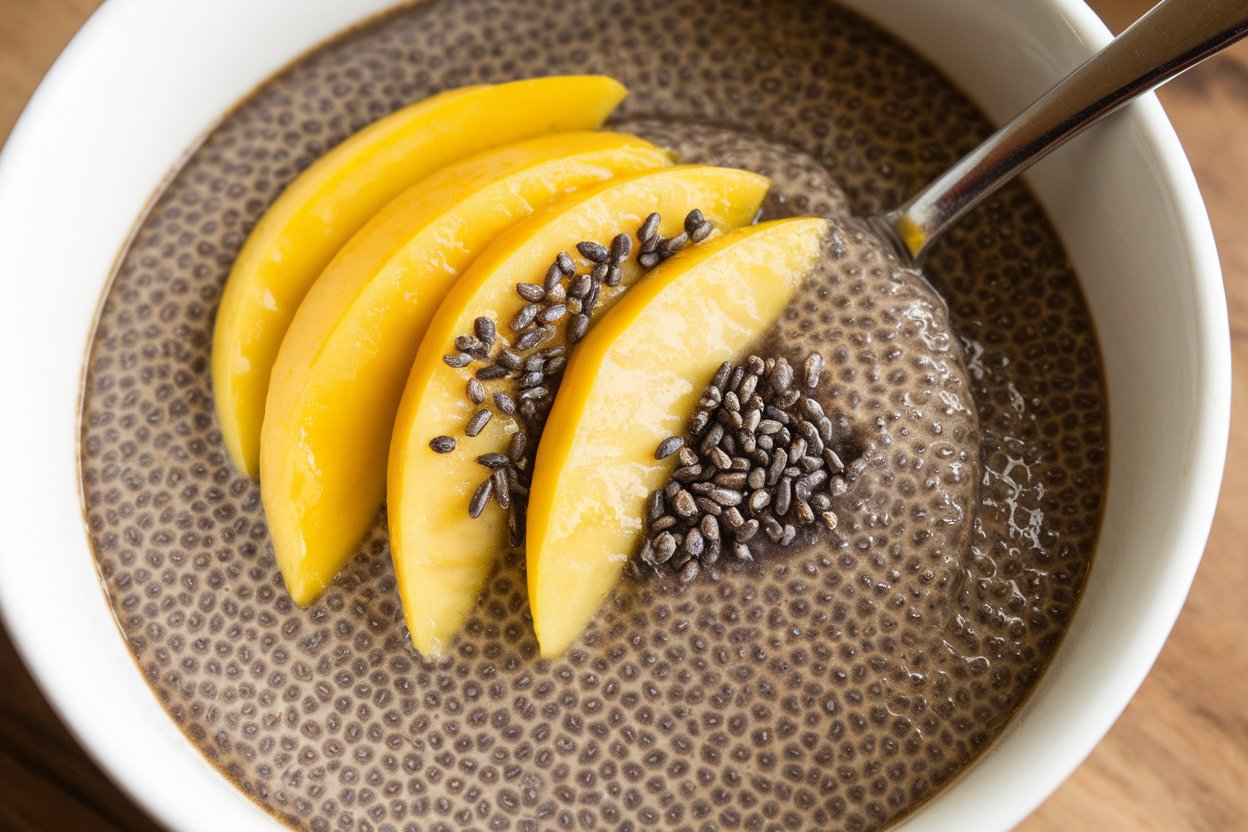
(634, 381)
(340, 372)
(320, 210)
(442, 556)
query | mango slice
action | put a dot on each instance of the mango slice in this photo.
(332, 199)
(632, 382)
(442, 556)
(340, 372)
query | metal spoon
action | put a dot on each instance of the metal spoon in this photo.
(1173, 36)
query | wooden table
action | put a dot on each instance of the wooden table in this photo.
(1178, 758)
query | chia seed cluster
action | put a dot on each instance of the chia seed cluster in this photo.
(526, 370)
(759, 455)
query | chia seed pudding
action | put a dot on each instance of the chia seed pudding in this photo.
(837, 683)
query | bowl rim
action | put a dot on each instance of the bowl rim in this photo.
(48, 653)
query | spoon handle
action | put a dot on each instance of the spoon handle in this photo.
(1173, 36)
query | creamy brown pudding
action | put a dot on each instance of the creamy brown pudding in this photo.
(833, 685)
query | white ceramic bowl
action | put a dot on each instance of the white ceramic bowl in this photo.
(145, 78)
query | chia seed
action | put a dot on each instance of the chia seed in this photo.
(649, 228)
(477, 422)
(673, 245)
(491, 372)
(480, 497)
(692, 220)
(526, 316)
(531, 292)
(622, 246)
(594, 252)
(442, 444)
(669, 446)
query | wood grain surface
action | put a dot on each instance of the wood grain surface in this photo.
(1176, 760)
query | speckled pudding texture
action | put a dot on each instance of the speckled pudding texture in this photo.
(836, 685)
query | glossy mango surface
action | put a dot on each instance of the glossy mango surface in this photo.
(326, 204)
(340, 372)
(442, 556)
(633, 381)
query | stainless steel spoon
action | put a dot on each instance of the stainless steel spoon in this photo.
(1173, 36)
